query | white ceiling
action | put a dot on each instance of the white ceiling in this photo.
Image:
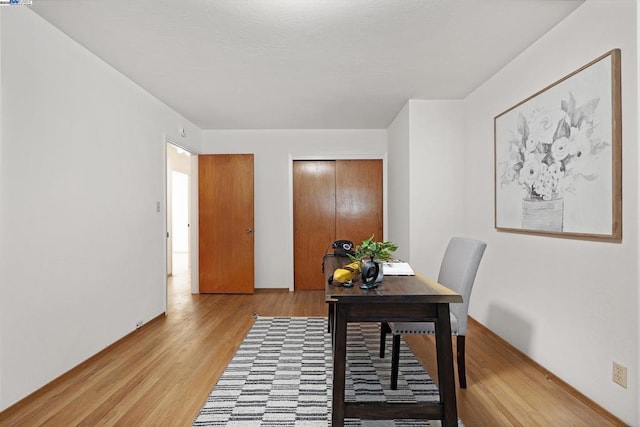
(304, 64)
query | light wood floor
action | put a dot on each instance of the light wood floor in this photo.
(162, 373)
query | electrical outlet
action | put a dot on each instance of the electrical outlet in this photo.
(139, 324)
(619, 375)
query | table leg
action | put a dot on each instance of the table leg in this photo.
(446, 377)
(330, 316)
(339, 364)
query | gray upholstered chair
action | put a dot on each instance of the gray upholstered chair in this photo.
(457, 272)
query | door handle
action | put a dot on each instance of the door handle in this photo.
(249, 230)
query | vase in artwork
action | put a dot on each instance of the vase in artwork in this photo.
(543, 215)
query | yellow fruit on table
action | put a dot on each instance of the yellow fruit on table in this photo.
(347, 273)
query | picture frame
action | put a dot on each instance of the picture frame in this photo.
(558, 157)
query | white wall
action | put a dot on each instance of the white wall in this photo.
(437, 186)
(81, 170)
(273, 151)
(178, 161)
(399, 183)
(426, 154)
(570, 305)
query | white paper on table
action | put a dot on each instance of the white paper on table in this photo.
(396, 268)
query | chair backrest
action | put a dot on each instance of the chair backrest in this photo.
(458, 272)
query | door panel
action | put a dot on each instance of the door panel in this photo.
(332, 200)
(313, 220)
(225, 216)
(358, 200)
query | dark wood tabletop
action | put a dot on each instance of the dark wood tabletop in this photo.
(391, 289)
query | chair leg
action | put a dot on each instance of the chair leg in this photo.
(384, 329)
(395, 361)
(462, 372)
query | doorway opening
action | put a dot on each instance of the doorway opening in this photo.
(179, 230)
(178, 226)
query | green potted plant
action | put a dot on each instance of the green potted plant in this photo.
(374, 251)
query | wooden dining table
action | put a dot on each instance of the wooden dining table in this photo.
(395, 299)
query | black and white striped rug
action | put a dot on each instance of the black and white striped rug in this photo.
(281, 376)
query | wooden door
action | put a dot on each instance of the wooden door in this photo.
(332, 200)
(314, 226)
(358, 200)
(225, 223)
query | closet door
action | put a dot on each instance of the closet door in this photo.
(332, 200)
(314, 220)
(358, 200)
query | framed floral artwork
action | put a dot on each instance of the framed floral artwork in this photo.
(558, 157)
